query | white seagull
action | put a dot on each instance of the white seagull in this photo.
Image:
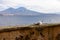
(40, 22)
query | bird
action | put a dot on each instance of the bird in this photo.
(40, 22)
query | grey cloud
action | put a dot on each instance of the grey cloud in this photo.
(1, 1)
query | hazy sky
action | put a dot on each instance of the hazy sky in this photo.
(45, 6)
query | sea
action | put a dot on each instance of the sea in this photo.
(25, 20)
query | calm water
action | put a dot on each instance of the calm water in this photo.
(19, 20)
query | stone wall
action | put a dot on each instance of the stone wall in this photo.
(33, 33)
(51, 33)
(30, 34)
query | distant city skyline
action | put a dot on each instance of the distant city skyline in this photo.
(44, 6)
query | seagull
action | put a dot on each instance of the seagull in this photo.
(40, 22)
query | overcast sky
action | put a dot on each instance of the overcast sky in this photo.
(45, 6)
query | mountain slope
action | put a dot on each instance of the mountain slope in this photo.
(19, 11)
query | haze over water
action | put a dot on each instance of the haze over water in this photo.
(20, 20)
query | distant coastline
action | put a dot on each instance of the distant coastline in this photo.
(15, 15)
